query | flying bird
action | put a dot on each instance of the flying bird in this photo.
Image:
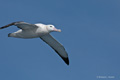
(39, 30)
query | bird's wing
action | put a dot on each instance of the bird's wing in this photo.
(56, 46)
(21, 25)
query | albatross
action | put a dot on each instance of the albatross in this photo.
(42, 31)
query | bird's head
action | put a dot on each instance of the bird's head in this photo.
(52, 28)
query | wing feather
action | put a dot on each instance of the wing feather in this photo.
(25, 26)
(58, 48)
(21, 25)
(8, 25)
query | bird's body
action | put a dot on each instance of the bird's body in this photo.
(28, 30)
(36, 32)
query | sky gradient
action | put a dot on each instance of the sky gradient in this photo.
(90, 35)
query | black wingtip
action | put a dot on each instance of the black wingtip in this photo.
(1, 27)
(66, 60)
(13, 23)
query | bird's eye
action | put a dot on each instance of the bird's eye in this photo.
(50, 26)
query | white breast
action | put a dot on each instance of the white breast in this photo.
(41, 30)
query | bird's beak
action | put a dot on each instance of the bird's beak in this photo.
(58, 30)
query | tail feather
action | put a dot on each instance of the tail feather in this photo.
(9, 35)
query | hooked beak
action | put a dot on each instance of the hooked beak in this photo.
(58, 30)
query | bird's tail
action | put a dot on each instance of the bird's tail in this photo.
(9, 35)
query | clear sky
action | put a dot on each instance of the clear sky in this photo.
(90, 34)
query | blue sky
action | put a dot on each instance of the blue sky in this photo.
(90, 34)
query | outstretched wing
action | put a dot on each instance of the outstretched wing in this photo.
(21, 25)
(56, 46)
(13, 23)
